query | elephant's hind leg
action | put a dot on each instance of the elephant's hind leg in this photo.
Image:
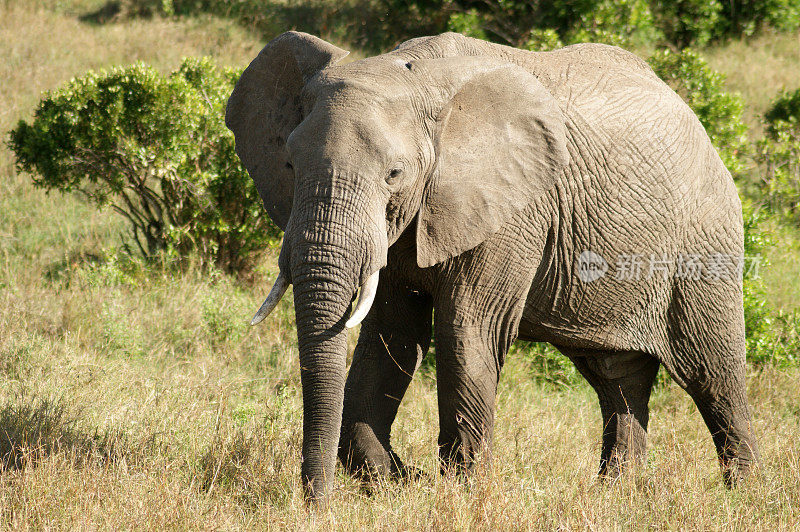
(708, 349)
(623, 382)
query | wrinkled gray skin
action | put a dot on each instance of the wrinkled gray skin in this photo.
(473, 176)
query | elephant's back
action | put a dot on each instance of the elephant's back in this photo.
(645, 140)
(609, 96)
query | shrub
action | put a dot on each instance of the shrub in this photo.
(746, 17)
(697, 22)
(779, 154)
(543, 41)
(359, 22)
(688, 22)
(376, 25)
(772, 337)
(703, 90)
(784, 114)
(155, 149)
(467, 23)
(617, 22)
(546, 365)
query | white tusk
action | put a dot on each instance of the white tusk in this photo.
(365, 299)
(274, 297)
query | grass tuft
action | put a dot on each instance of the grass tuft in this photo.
(33, 430)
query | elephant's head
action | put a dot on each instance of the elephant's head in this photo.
(347, 157)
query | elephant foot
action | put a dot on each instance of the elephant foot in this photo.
(624, 448)
(373, 472)
(737, 464)
(460, 455)
(405, 473)
(364, 457)
(618, 464)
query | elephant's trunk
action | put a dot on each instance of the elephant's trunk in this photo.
(334, 244)
(322, 340)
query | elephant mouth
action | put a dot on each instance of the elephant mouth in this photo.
(366, 297)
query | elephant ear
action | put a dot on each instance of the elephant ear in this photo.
(500, 145)
(264, 109)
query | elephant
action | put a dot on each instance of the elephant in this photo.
(481, 194)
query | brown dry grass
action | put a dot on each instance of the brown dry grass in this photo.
(759, 68)
(138, 398)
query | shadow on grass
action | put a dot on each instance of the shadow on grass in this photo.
(108, 12)
(31, 431)
(62, 269)
(365, 24)
(116, 10)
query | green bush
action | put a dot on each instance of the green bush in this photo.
(618, 22)
(543, 41)
(358, 22)
(772, 337)
(779, 156)
(546, 365)
(155, 149)
(469, 23)
(677, 24)
(688, 22)
(703, 90)
(746, 17)
(784, 114)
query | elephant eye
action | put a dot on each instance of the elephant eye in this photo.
(289, 165)
(394, 176)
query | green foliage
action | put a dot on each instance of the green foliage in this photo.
(527, 23)
(546, 364)
(221, 317)
(784, 114)
(617, 22)
(772, 337)
(679, 24)
(467, 23)
(359, 22)
(779, 155)
(703, 90)
(688, 22)
(155, 149)
(746, 17)
(543, 41)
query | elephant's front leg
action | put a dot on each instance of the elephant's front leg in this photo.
(394, 337)
(471, 345)
(466, 375)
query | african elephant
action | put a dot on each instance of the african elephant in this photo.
(567, 197)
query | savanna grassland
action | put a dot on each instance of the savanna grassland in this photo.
(135, 395)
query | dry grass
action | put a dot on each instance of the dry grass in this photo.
(759, 69)
(139, 398)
